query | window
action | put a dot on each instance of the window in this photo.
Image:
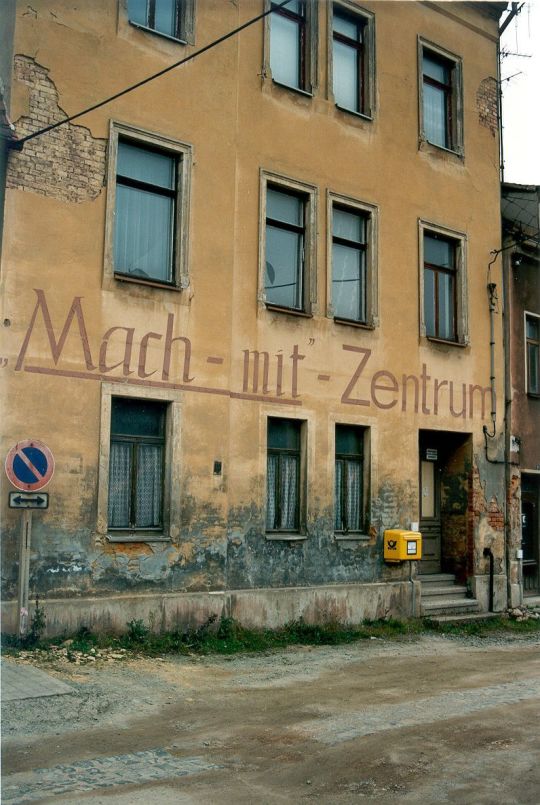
(532, 347)
(136, 463)
(173, 18)
(352, 255)
(443, 284)
(441, 99)
(147, 208)
(291, 38)
(352, 59)
(349, 479)
(288, 247)
(283, 478)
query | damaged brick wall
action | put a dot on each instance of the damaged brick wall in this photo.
(487, 520)
(487, 105)
(68, 163)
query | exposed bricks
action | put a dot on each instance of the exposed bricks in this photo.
(486, 103)
(68, 163)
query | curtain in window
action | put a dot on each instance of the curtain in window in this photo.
(271, 475)
(149, 485)
(143, 233)
(435, 115)
(354, 495)
(119, 484)
(446, 306)
(289, 492)
(348, 282)
(346, 76)
(285, 49)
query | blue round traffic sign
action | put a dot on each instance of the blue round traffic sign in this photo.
(29, 465)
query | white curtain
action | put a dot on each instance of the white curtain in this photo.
(119, 484)
(149, 485)
(282, 502)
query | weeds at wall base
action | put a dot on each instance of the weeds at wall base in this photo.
(226, 636)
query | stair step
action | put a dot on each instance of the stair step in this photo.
(449, 606)
(469, 617)
(437, 578)
(452, 592)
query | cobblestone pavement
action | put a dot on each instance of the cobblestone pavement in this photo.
(428, 721)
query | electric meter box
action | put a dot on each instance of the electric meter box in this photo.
(401, 545)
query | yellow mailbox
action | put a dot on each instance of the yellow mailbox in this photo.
(401, 545)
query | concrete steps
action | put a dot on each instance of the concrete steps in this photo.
(470, 617)
(442, 597)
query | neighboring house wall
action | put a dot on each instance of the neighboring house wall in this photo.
(209, 345)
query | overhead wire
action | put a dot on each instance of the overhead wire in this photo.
(19, 143)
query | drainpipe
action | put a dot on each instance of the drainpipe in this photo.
(489, 552)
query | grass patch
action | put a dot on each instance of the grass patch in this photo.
(227, 637)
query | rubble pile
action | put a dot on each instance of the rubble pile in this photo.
(523, 613)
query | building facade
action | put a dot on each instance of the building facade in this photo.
(246, 307)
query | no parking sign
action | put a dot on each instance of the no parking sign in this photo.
(29, 465)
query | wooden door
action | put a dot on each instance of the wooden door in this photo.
(430, 517)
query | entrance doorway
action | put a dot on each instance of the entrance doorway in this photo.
(530, 496)
(445, 460)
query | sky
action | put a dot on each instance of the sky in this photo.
(521, 97)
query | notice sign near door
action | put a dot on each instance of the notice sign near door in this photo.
(432, 454)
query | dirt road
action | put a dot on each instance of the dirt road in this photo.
(429, 721)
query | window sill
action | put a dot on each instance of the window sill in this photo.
(362, 115)
(144, 536)
(533, 395)
(446, 342)
(286, 537)
(166, 286)
(304, 92)
(339, 537)
(454, 152)
(290, 310)
(158, 33)
(352, 323)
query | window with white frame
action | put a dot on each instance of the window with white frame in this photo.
(172, 18)
(147, 208)
(353, 260)
(288, 245)
(284, 475)
(532, 353)
(443, 285)
(352, 58)
(291, 36)
(441, 101)
(349, 481)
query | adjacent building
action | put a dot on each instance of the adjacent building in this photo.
(251, 307)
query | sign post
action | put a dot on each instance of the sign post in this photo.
(29, 467)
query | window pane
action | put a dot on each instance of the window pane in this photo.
(284, 267)
(338, 497)
(143, 235)
(446, 306)
(284, 207)
(137, 417)
(429, 301)
(354, 495)
(288, 492)
(120, 469)
(349, 440)
(137, 11)
(166, 17)
(533, 359)
(283, 434)
(532, 328)
(145, 165)
(149, 485)
(348, 225)
(345, 76)
(285, 50)
(347, 26)
(271, 491)
(438, 252)
(435, 115)
(348, 283)
(436, 69)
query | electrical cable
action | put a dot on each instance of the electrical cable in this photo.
(18, 144)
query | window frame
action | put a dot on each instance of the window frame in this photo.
(301, 515)
(455, 110)
(309, 265)
(182, 153)
(367, 63)
(370, 212)
(536, 316)
(461, 317)
(185, 22)
(308, 47)
(171, 510)
(368, 426)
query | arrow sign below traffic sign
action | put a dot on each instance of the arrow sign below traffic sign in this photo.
(29, 465)
(27, 500)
